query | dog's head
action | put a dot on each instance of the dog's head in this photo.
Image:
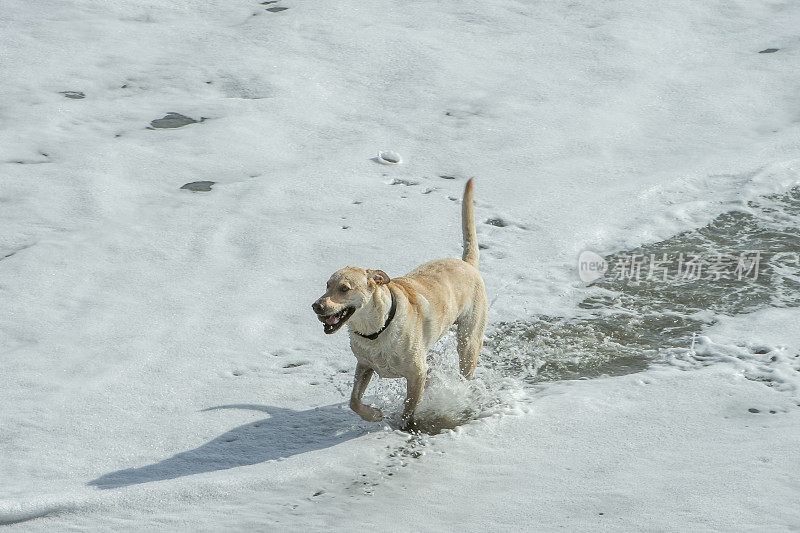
(348, 290)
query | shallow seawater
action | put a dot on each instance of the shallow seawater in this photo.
(625, 324)
(742, 261)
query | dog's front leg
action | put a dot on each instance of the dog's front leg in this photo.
(415, 385)
(368, 413)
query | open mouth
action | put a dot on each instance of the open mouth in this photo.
(333, 322)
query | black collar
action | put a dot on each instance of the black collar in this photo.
(392, 309)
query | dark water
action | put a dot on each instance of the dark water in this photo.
(173, 120)
(632, 323)
(198, 186)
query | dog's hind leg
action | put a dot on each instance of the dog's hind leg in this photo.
(368, 413)
(469, 337)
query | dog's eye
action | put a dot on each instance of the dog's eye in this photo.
(344, 289)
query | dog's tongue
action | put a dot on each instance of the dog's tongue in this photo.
(331, 320)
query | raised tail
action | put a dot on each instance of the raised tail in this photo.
(471, 252)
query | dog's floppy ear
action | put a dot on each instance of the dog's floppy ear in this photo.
(378, 276)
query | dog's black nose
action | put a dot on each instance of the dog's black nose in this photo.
(317, 308)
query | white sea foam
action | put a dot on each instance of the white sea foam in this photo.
(161, 369)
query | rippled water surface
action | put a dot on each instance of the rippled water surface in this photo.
(630, 323)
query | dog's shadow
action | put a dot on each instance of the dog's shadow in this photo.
(285, 433)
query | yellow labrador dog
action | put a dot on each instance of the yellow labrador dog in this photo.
(394, 322)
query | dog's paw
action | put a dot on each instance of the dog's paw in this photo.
(410, 426)
(371, 414)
